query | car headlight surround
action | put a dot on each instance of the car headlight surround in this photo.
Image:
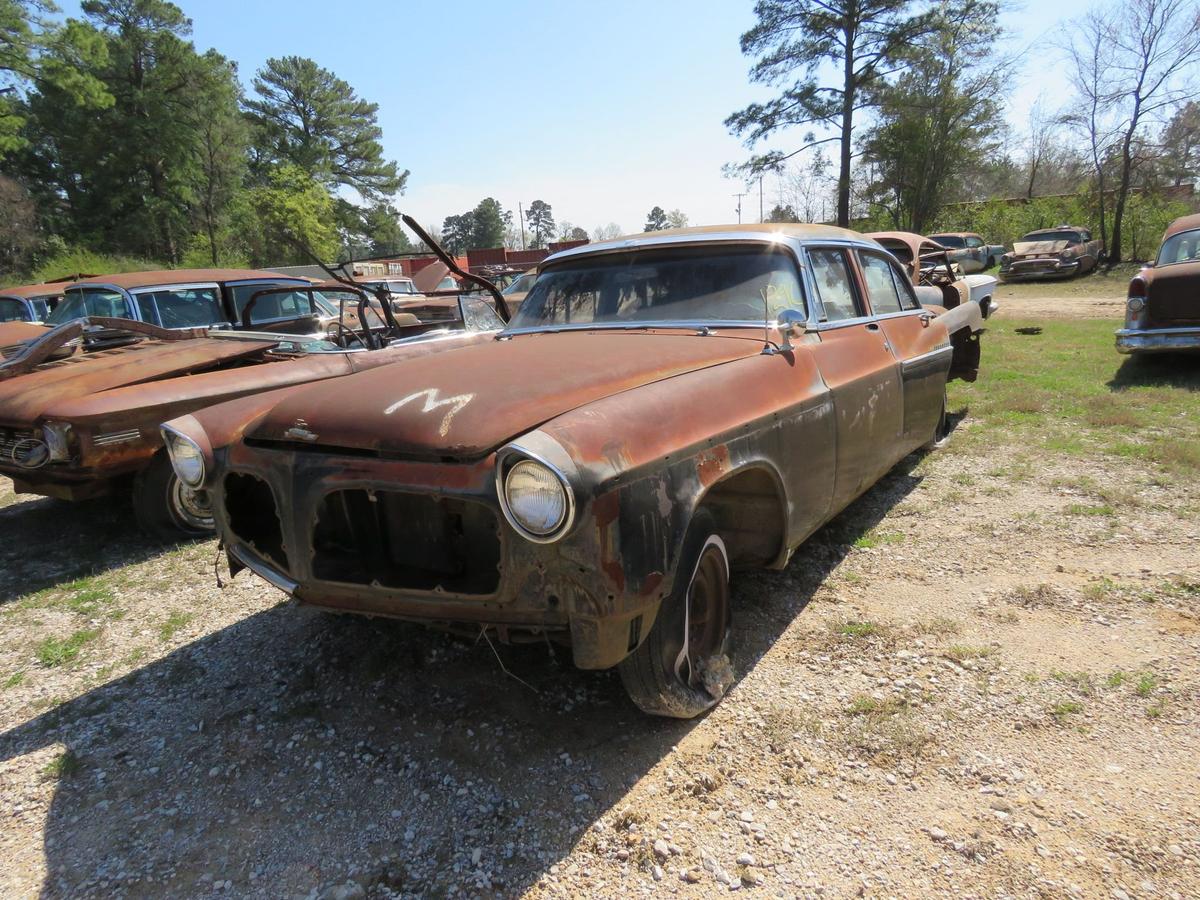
(1136, 304)
(536, 498)
(187, 458)
(57, 437)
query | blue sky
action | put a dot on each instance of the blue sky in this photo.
(601, 110)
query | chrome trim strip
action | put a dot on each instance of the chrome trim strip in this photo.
(696, 325)
(794, 242)
(515, 449)
(945, 350)
(262, 570)
(116, 437)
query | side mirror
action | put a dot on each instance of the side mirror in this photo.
(789, 324)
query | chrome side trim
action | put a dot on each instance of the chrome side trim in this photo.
(262, 570)
(116, 437)
(915, 361)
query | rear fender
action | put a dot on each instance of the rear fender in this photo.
(964, 324)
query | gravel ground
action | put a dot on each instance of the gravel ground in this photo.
(965, 685)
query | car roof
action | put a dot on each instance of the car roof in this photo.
(909, 238)
(1055, 228)
(1185, 223)
(156, 277)
(44, 289)
(954, 234)
(795, 231)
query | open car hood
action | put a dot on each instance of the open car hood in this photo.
(462, 404)
(25, 397)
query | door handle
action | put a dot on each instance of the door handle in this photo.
(872, 326)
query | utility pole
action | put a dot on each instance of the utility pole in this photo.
(521, 214)
(739, 206)
(760, 199)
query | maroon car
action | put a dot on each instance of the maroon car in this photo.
(1163, 309)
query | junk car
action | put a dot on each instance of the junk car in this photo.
(1162, 312)
(663, 409)
(1061, 252)
(969, 250)
(934, 272)
(30, 302)
(87, 425)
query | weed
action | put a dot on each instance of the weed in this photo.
(878, 539)
(65, 765)
(1030, 597)
(1080, 681)
(938, 625)
(1116, 679)
(16, 679)
(55, 652)
(961, 652)
(1154, 711)
(1065, 708)
(1080, 509)
(1146, 684)
(854, 629)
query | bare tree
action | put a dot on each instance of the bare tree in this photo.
(1039, 142)
(607, 232)
(1133, 62)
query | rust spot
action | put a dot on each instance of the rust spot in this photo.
(712, 464)
(607, 509)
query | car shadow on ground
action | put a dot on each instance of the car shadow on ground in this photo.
(1172, 370)
(49, 542)
(295, 749)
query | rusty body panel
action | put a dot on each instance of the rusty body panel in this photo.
(1163, 307)
(383, 493)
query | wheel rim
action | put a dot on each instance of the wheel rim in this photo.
(699, 625)
(190, 508)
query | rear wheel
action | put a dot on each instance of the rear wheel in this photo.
(166, 507)
(682, 668)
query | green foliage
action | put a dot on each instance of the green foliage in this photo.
(828, 57)
(292, 217)
(937, 119)
(76, 261)
(540, 218)
(656, 219)
(487, 226)
(782, 214)
(55, 651)
(36, 50)
(307, 116)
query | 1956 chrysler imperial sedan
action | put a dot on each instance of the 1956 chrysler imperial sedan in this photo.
(662, 410)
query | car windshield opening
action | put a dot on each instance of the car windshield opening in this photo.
(90, 302)
(1182, 247)
(737, 283)
(1038, 237)
(949, 240)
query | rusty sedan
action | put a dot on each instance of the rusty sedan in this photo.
(1061, 252)
(30, 302)
(663, 409)
(86, 424)
(1162, 312)
(935, 274)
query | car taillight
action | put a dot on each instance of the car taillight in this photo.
(1137, 288)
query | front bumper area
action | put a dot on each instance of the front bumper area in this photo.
(1038, 269)
(1158, 340)
(420, 541)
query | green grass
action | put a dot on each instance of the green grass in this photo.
(172, 625)
(55, 651)
(1064, 709)
(1112, 284)
(1116, 679)
(16, 679)
(1083, 682)
(857, 629)
(1146, 684)
(1068, 392)
(85, 596)
(878, 539)
(64, 765)
(961, 652)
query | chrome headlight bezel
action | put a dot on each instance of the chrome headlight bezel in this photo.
(506, 465)
(1135, 304)
(57, 438)
(186, 456)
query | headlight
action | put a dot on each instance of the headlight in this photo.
(536, 498)
(1136, 304)
(187, 459)
(56, 435)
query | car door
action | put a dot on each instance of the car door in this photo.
(922, 355)
(854, 359)
(976, 259)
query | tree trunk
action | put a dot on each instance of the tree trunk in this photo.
(843, 198)
(1114, 252)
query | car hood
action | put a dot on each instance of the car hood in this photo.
(465, 403)
(12, 333)
(1039, 248)
(24, 397)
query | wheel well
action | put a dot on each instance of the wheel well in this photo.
(751, 516)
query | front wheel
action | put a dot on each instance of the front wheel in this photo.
(682, 668)
(941, 433)
(166, 507)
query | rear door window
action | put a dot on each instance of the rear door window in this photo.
(91, 302)
(887, 288)
(834, 284)
(192, 307)
(12, 310)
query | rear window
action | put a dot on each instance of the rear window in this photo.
(12, 310)
(949, 240)
(1182, 247)
(270, 306)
